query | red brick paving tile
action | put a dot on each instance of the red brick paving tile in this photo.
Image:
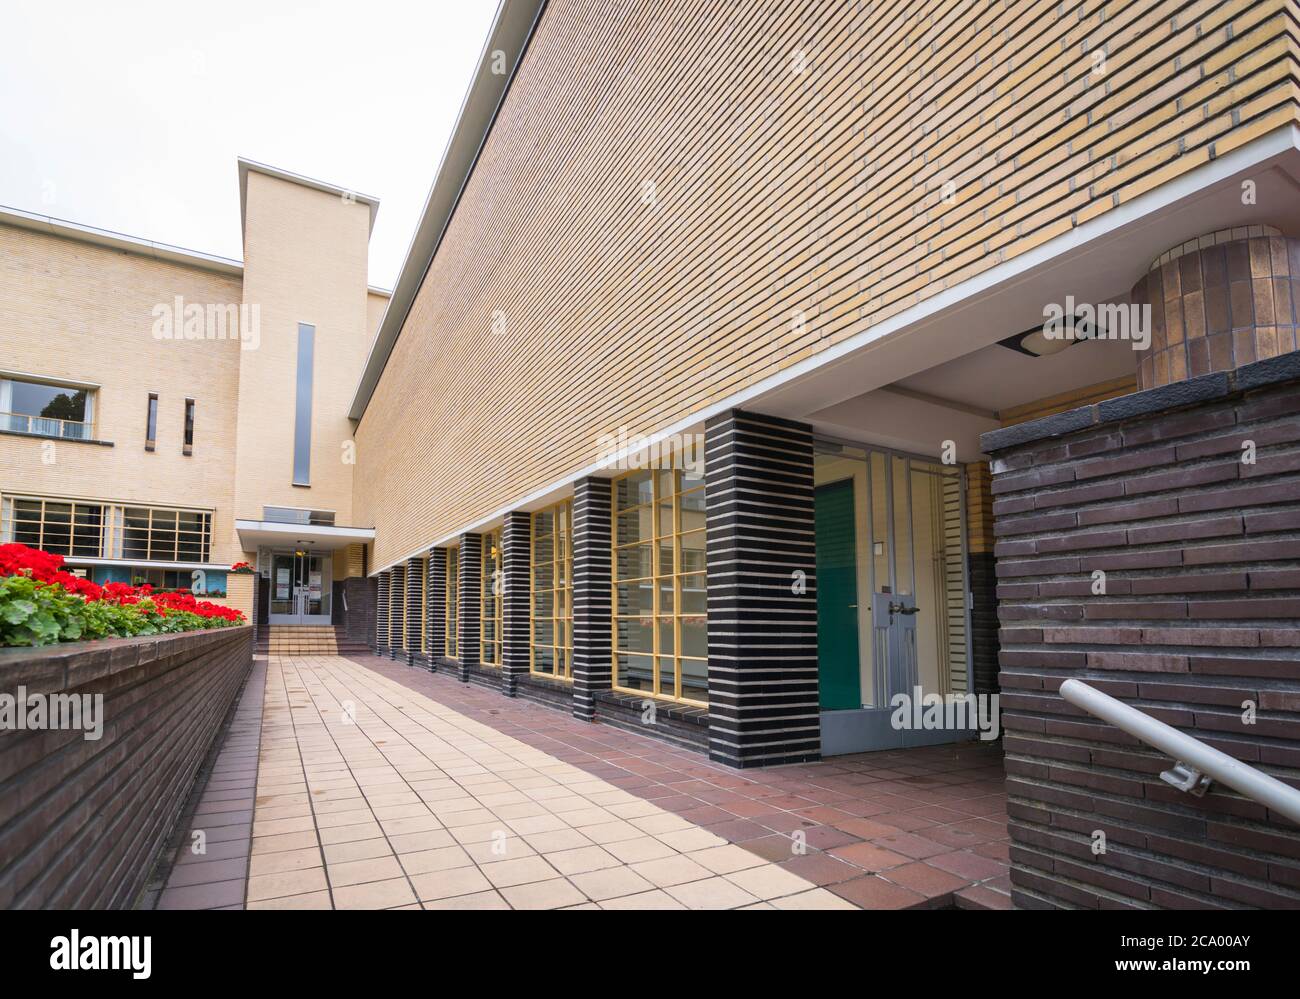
(784, 822)
(824, 814)
(738, 830)
(928, 881)
(869, 857)
(916, 847)
(748, 808)
(939, 814)
(208, 896)
(876, 893)
(864, 807)
(702, 815)
(907, 821)
(865, 828)
(982, 897)
(970, 866)
(773, 847)
(828, 837)
(788, 802)
(821, 869)
(1001, 850)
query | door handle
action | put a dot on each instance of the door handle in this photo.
(897, 608)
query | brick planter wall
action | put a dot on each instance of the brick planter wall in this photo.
(1201, 555)
(82, 822)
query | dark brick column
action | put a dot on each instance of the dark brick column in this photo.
(763, 696)
(592, 637)
(1148, 546)
(469, 569)
(516, 555)
(381, 616)
(435, 613)
(397, 605)
(414, 611)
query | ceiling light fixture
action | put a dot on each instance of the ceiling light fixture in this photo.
(1036, 343)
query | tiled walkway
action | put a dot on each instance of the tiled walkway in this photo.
(384, 786)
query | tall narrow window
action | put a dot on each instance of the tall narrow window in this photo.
(151, 423)
(453, 601)
(189, 426)
(660, 593)
(302, 408)
(552, 592)
(490, 586)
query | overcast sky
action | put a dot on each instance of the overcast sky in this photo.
(129, 115)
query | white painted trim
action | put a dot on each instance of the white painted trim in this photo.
(64, 229)
(1278, 143)
(306, 531)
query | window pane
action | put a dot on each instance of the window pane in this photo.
(632, 489)
(667, 641)
(302, 405)
(695, 636)
(694, 594)
(53, 402)
(634, 634)
(634, 563)
(635, 672)
(693, 551)
(634, 525)
(695, 679)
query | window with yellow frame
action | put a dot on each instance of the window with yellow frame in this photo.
(551, 637)
(660, 613)
(452, 603)
(490, 587)
(424, 603)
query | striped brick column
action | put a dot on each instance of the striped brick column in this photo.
(435, 613)
(469, 569)
(763, 697)
(592, 639)
(397, 607)
(414, 610)
(381, 615)
(516, 558)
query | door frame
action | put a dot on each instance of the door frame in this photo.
(869, 729)
(299, 582)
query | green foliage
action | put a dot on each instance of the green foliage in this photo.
(33, 613)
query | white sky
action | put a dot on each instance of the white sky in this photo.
(129, 115)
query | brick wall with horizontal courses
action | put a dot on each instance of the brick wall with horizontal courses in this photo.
(82, 822)
(799, 155)
(1200, 553)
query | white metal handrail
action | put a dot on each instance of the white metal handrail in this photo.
(1196, 764)
(46, 426)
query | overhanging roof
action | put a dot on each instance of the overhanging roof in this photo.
(254, 534)
(510, 33)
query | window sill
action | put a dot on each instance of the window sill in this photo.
(56, 437)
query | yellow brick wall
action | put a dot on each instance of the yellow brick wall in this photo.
(668, 185)
(74, 310)
(304, 261)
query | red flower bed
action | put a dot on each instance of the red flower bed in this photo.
(44, 567)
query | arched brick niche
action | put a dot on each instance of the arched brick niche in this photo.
(1218, 302)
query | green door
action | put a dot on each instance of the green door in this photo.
(837, 597)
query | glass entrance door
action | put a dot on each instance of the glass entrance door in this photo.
(891, 592)
(300, 588)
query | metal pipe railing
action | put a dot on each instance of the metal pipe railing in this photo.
(1195, 762)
